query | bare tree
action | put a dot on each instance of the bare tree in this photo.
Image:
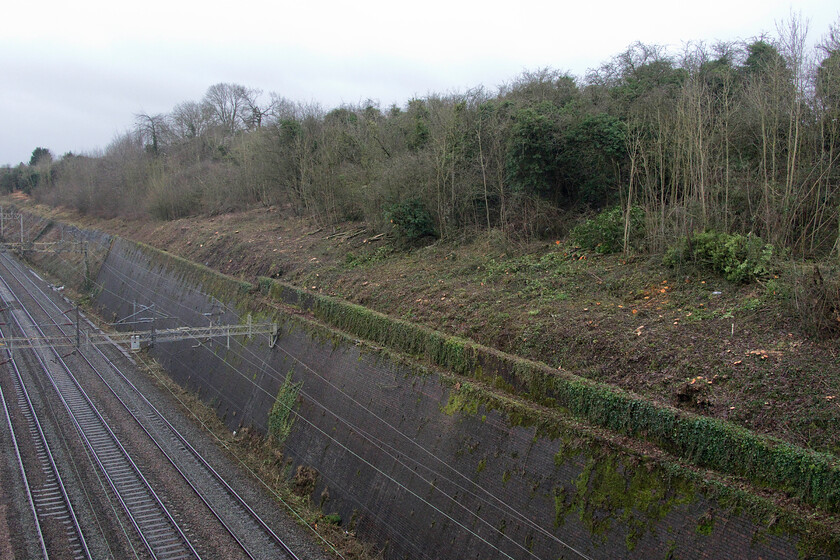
(226, 103)
(152, 130)
(280, 108)
(189, 120)
(253, 113)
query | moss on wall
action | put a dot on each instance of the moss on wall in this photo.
(707, 442)
(225, 288)
(618, 488)
(606, 492)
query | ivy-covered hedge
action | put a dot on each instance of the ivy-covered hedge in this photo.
(707, 442)
(210, 281)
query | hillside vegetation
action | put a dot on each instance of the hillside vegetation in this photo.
(668, 224)
(681, 337)
(737, 138)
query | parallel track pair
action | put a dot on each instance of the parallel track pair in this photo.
(156, 526)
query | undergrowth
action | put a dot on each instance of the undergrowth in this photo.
(738, 258)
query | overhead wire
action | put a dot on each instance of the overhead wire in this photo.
(499, 504)
(291, 509)
(371, 465)
(263, 364)
(55, 324)
(72, 460)
(376, 441)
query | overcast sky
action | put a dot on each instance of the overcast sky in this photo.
(74, 74)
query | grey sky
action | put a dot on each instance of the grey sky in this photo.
(72, 75)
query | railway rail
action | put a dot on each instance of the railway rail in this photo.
(51, 509)
(253, 535)
(155, 525)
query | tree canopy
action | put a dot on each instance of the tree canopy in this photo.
(737, 137)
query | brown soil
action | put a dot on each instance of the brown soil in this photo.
(686, 338)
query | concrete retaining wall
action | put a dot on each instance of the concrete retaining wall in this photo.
(423, 463)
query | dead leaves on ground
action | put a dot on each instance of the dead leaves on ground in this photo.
(764, 354)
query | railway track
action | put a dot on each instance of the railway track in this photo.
(158, 530)
(154, 524)
(56, 522)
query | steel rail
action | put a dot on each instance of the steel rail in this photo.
(52, 494)
(51, 500)
(201, 461)
(26, 485)
(155, 525)
(198, 460)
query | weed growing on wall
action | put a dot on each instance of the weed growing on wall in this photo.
(280, 419)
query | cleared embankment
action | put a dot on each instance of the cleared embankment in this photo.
(436, 447)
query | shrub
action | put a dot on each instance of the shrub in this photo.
(605, 232)
(411, 220)
(738, 258)
(172, 195)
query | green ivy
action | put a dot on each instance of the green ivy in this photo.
(707, 442)
(411, 220)
(280, 419)
(738, 258)
(605, 233)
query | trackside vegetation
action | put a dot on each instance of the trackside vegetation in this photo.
(529, 394)
(737, 138)
(652, 249)
(708, 442)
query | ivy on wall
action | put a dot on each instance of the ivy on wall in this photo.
(281, 419)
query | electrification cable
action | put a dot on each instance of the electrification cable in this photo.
(505, 507)
(378, 443)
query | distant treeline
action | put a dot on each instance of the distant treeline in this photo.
(735, 137)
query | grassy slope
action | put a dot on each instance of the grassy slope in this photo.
(663, 334)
